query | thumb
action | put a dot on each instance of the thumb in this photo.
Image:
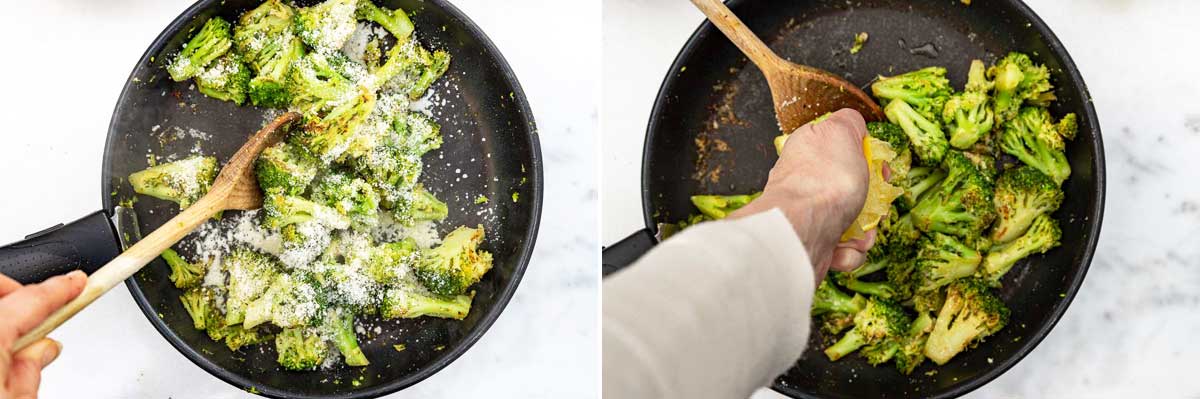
(27, 365)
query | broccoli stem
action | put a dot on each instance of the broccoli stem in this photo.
(846, 345)
(346, 342)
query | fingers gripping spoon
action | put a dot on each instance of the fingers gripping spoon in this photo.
(800, 93)
(234, 189)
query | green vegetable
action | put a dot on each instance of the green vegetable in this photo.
(182, 182)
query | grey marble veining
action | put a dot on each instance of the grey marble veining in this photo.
(1130, 331)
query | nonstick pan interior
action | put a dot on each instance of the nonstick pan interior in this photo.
(490, 149)
(713, 122)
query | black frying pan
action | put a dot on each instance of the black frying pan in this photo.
(720, 96)
(489, 137)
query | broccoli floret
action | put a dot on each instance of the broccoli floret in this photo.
(417, 132)
(199, 303)
(1068, 126)
(409, 300)
(968, 115)
(1042, 235)
(340, 327)
(281, 210)
(877, 259)
(285, 166)
(349, 195)
(961, 205)
(227, 79)
(1017, 79)
(918, 181)
(327, 25)
(943, 259)
(265, 40)
(898, 140)
(928, 141)
(387, 263)
(250, 274)
(392, 170)
(828, 299)
(294, 301)
(902, 277)
(1022, 194)
(456, 264)
(911, 352)
(395, 21)
(907, 350)
(717, 207)
(889, 132)
(183, 181)
(304, 241)
(424, 207)
(411, 69)
(1038, 142)
(328, 136)
(970, 314)
(237, 336)
(209, 44)
(300, 349)
(290, 301)
(877, 321)
(925, 90)
(183, 273)
(315, 83)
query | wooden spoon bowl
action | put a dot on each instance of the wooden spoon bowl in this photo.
(800, 93)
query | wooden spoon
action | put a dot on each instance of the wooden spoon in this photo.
(234, 188)
(800, 93)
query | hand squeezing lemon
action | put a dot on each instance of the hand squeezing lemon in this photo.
(880, 193)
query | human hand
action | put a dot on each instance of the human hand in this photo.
(21, 309)
(820, 184)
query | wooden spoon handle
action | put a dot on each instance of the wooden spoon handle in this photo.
(739, 34)
(126, 264)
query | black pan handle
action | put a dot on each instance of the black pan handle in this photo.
(615, 257)
(85, 244)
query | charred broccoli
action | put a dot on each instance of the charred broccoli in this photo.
(300, 349)
(286, 166)
(395, 22)
(1037, 141)
(878, 321)
(227, 79)
(327, 25)
(961, 204)
(210, 43)
(183, 181)
(968, 115)
(456, 264)
(970, 314)
(265, 40)
(943, 259)
(409, 300)
(1017, 79)
(183, 273)
(1042, 235)
(925, 90)
(925, 135)
(1022, 194)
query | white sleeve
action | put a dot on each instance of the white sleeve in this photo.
(715, 312)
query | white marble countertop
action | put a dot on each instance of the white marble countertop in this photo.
(543, 346)
(1130, 331)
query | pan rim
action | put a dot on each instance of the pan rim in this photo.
(1096, 218)
(451, 354)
